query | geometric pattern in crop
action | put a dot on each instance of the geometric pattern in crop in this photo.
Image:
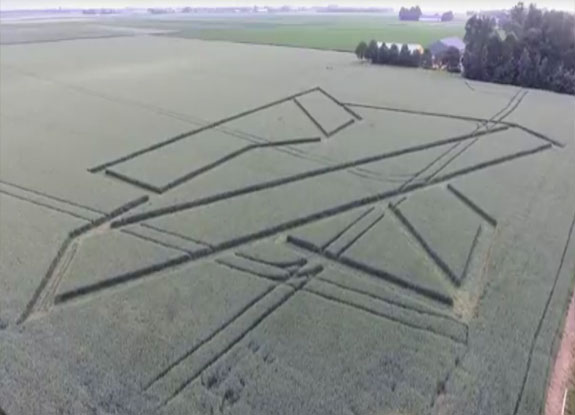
(395, 248)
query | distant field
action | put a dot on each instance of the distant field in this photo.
(318, 31)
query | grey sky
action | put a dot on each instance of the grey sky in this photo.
(425, 4)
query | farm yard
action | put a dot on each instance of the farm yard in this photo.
(220, 228)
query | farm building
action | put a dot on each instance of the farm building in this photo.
(412, 46)
(440, 47)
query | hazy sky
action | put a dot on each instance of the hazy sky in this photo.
(431, 5)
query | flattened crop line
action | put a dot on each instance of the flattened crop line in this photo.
(360, 234)
(536, 134)
(426, 247)
(341, 127)
(112, 282)
(472, 205)
(188, 176)
(338, 102)
(544, 314)
(470, 254)
(37, 203)
(247, 270)
(195, 131)
(374, 272)
(155, 241)
(235, 341)
(348, 227)
(294, 178)
(109, 216)
(390, 301)
(47, 277)
(491, 163)
(363, 308)
(46, 195)
(311, 117)
(208, 338)
(185, 238)
(134, 182)
(416, 112)
(300, 262)
(49, 284)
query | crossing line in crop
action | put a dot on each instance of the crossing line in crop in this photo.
(293, 178)
(44, 294)
(195, 131)
(395, 303)
(425, 245)
(362, 232)
(472, 205)
(248, 270)
(44, 205)
(544, 314)
(49, 196)
(300, 262)
(239, 337)
(348, 227)
(385, 316)
(338, 102)
(470, 254)
(289, 225)
(371, 271)
(209, 337)
(458, 117)
(204, 169)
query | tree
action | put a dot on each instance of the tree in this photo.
(452, 59)
(544, 74)
(371, 51)
(478, 31)
(413, 13)
(526, 75)
(514, 25)
(404, 58)
(393, 55)
(506, 72)
(447, 16)
(494, 57)
(383, 54)
(360, 50)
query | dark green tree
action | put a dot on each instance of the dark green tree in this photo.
(452, 59)
(383, 54)
(393, 55)
(478, 31)
(360, 50)
(526, 73)
(514, 25)
(494, 57)
(447, 16)
(371, 51)
(506, 72)
(404, 56)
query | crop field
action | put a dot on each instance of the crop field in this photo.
(322, 31)
(316, 31)
(192, 227)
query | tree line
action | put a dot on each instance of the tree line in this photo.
(528, 47)
(537, 49)
(393, 55)
(413, 13)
